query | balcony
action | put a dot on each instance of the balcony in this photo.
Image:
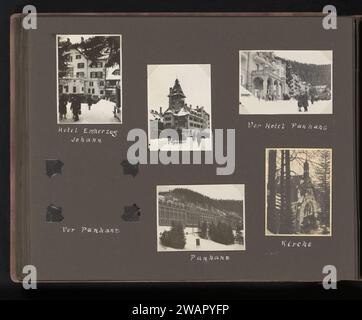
(266, 72)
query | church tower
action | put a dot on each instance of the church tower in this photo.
(176, 97)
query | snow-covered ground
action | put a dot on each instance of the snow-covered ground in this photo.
(187, 145)
(205, 244)
(101, 113)
(252, 105)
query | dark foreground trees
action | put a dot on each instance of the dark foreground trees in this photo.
(221, 233)
(174, 238)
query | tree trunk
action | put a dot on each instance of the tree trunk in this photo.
(288, 205)
(282, 194)
(272, 219)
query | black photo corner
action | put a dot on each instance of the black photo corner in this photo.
(221, 225)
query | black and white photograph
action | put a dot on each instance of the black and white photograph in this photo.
(298, 192)
(285, 82)
(201, 217)
(179, 98)
(89, 79)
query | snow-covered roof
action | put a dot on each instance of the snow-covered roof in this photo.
(110, 73)
(182, 112)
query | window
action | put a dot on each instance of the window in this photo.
(98, 74)
(92, 90)
(91, 83)
(78, 56)
(80, 65)
(100, 91)
(96, 65)
(89, 91)
(66, 88)
(82, 89)
(80, 74)
(74, 89)
(101, 83)
(116, 72)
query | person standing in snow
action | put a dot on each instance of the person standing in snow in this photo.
(63, 106)
(300, 102)
(75, 106)
(305, 101)
(89, 102)
(117, 107)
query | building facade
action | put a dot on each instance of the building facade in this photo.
(170, 210)
(263, 74)
(90, 78)
(304, 205)
(181, 116)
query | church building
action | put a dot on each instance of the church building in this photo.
(305, 211)
(180, 115)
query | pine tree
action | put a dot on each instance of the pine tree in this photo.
(203, 230)
(174, 238)
(286, 213)
(114, 46)
(323, 185)
(271, 191)
(289, 228)
(93, 47)
(222, 233)
(239, 237)
(63, 47)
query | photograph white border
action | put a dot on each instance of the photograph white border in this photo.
(276, 114)
(266, 232)
(57, 77)
(199, 184)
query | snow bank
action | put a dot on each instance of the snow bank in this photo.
(205, 244)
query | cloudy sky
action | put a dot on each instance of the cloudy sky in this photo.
(195, 81)
(217, 191)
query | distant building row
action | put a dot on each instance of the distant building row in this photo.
(171, 210)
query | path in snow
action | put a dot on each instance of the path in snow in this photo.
(101, 113)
